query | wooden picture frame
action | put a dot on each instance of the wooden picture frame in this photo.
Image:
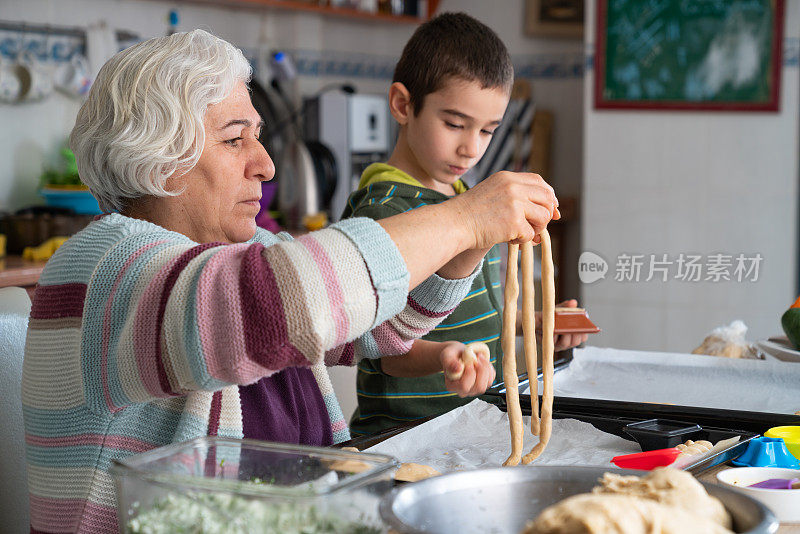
(554, 18)
(643, 61)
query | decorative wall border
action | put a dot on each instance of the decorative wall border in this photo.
(534, 66)
(49, 43)
(549, 66)
(358, 65)
(343, 64)
(46, 47)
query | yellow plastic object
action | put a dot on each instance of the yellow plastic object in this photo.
(317, 221)
(2, 245)
(790, 436)
(43, 251)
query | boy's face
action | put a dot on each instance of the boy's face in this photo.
(452, 131)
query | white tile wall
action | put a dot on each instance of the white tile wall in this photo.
(692, 182)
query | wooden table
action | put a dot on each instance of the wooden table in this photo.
(14, 271)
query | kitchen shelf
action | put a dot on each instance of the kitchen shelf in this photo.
(310, 7)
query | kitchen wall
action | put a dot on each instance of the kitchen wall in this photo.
(693, 183)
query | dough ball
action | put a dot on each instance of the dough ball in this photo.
(349, 466)
(618, 514)
(671, 487)
(716, 346)
(695, 447)
(413, 472)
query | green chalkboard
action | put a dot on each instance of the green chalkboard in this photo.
(688, 54)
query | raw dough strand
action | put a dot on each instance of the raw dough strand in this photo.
(529, 331)
(548, 326)
(508, 341)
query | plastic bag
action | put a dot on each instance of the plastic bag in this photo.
(729, 342)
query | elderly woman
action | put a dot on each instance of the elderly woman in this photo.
(173, 316)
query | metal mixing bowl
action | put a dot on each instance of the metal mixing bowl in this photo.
(501, 500)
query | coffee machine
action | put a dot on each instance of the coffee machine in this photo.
(356, 129)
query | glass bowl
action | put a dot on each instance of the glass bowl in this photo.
(213, 484)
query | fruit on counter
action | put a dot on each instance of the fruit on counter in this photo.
(790, 321)
(44, 251)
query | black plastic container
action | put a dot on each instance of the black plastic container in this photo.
(654, 434)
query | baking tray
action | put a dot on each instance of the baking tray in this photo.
(612, 416)
(758, 422)
(561, 362)
(494, 395)
(614, 425)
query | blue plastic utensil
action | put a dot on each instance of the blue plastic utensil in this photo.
(766, 452)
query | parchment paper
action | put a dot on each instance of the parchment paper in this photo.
(477, 435)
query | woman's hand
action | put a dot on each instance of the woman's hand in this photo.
(462, 376)
(508, 206)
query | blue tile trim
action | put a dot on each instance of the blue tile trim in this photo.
(346, 64)
(54, 47)
(343, 64)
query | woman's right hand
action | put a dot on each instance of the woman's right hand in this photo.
(507, 206)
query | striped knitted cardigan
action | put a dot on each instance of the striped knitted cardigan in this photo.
(139, 337)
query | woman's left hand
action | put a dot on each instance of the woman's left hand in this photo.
(462, 376)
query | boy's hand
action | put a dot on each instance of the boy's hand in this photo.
(564, 341)
(560, 341)
(467, 370)
(507, 206)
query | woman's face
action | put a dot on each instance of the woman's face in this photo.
(222, 192)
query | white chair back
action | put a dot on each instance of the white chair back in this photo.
(15, 300)
(14, 310)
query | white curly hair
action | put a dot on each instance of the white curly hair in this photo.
(143, 119)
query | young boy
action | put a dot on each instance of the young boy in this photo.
(449, 93)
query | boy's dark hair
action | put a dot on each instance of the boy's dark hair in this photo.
(452, 45)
